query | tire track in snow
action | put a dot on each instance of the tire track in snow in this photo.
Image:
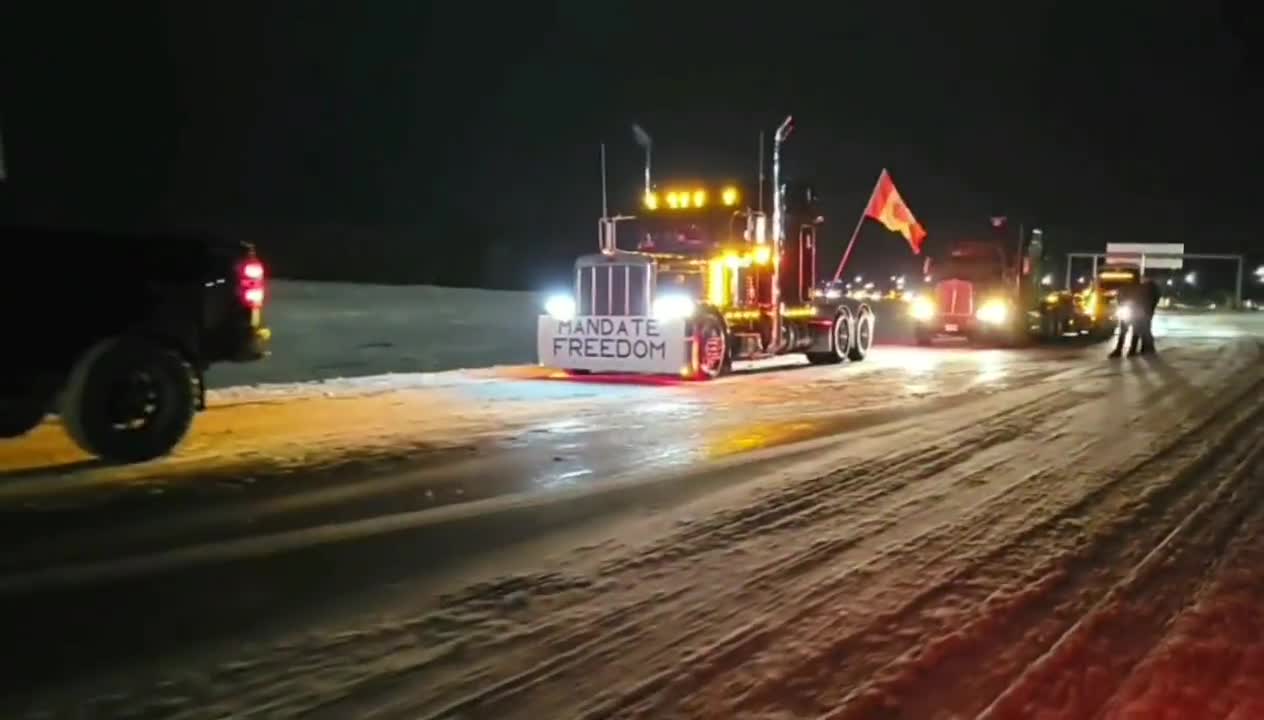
(1210, 663)
(1013, 626)
(572, 634)
(1055, 401)
(732, 662)
(864, 480)
(1083, 667)
(755, 521)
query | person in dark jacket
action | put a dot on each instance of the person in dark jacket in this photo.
(1130, 303)
(1150, 295)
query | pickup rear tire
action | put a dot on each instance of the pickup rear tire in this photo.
(129, 400)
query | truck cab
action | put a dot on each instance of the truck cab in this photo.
(983, 293)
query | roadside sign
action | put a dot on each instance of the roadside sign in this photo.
(1157, 256)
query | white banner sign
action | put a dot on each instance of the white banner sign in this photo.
(613, 344)
(1132, 253)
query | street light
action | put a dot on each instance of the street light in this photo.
(1191, 279)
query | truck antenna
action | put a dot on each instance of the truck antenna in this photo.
(605, 206)
(644, 140)
(761, 171)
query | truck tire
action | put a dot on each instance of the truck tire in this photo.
(709, 330)
(129, 400)
(863, 339)
(20, 415)
(840, 341)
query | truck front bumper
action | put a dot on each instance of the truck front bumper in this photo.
(615, 344)
(950, 325)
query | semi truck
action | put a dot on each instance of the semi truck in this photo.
(987, 294)
(706, 278)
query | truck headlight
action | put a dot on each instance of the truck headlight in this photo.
(560, 307)
(673, 306)
(993, 312)
(922, 309)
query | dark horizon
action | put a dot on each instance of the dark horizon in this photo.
(427, 144)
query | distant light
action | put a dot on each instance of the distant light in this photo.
(729, 196)
(1047, 280)
(699, 198)
(1260, 271)
(860, 278)
(1169, 281)
(1191, 278)
(673, 200)
(868, 286)
(1081, 280)
(651, 201)
(763, 254)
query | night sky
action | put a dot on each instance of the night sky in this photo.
(457, 142)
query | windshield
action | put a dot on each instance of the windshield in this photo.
(972, 261)
(698, 233)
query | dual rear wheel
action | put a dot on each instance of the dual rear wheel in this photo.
(850, 339)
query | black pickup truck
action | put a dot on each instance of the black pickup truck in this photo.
(114, 333)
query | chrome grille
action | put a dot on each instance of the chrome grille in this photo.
(613, 289)
(955, 298)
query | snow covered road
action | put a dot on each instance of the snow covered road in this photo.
(932, 533)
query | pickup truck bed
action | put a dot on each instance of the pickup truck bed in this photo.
(114, 333)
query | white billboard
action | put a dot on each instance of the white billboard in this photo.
(613, 344)
(1133, 254)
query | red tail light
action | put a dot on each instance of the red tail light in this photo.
(252, 270)
(250, 279)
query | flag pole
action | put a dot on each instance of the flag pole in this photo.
(856, 233)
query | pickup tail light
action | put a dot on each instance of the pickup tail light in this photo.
(250, 279)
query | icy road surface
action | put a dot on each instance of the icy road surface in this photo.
(930, 533)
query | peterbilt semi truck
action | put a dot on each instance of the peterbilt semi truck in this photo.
(704, 277)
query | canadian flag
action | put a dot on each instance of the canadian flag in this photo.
(887, 207)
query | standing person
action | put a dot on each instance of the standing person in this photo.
(1129, 312)
(1150, 295)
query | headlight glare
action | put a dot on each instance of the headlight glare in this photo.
(673, 306)
(560, 307)
(922, 309)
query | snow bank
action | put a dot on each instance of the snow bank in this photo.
(324, 331)
(333, 330)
